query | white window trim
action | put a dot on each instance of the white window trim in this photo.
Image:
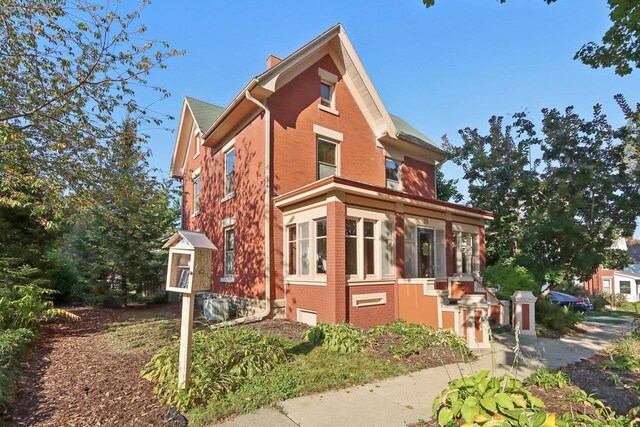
(229, 278)
(330, 80)
(430, 224)
(199, 142)
(308, 216)
(195, 175)
(326, 133)
(361, 215)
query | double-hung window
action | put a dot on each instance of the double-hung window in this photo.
(327, 158)
(392, 173)
(196, 195)
(229, 247)
(369, 248)
(229, 181)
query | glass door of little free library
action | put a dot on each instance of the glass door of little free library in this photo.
(426, 252)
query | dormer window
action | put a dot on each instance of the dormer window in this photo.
(326, 94)
(392, 172)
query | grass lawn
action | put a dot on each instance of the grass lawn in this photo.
(308, 368)
(313, 369)
(618, 313)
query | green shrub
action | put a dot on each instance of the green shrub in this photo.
(343, 338)
(13, 344)
(221, 361)
(483, 399)
(27, 306)
(553, 317)
(546, 378)
(599, 302)
(417, 337)
(509, 278)
(622, 363)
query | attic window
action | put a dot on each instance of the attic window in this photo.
(326, 94)
(328, 82)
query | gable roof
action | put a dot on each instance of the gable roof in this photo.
(406, 131)
(204, 113)
(195, 239)
(218, 123)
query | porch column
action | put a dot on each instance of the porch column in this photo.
(336, 260)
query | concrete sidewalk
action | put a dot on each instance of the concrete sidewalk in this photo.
(402, 400)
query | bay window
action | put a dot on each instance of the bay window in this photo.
(321, 246)
(466, 253)
(351, 246)
(306, 249)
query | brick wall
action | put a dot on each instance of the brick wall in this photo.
(374, 314)
(247, 207)
(418, 178)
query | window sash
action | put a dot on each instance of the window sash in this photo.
(229, 168)
(327, 93)
(392, 174)
(303, 247)
(625, 287)
(321, 246)
(327, 158)
(292, 242)
(196, 195)
(351, 247)
(388, 248)
(229, 248)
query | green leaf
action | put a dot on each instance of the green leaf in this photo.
(538, 419)
(504, 400)
(489, 403)
(444, 416)
(469, 412)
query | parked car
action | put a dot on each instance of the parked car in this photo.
(580, 304)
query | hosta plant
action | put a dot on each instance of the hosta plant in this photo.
(342, 338)
(488, 401)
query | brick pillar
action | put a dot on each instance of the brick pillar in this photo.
(448, 235)
(524, 312)
(483, 248)
(336, 278)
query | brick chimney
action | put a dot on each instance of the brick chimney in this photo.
(272, 60)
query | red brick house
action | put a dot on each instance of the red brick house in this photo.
(323, 205)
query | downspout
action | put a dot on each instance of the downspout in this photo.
(267, 220)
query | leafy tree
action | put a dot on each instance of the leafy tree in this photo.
(118, 245)
(68, 70)
(556, 215)
(497, 169)
(447, 189)
(620, 46)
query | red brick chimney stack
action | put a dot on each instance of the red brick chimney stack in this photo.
(272, 60)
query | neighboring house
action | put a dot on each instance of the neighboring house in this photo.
(634, 254)
(307, 163)
(618, 282)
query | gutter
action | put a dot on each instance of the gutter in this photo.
(267, 219)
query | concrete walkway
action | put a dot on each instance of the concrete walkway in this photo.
(406, 399)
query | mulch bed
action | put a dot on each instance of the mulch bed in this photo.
(74, 378)
(426, 358)
(620, 397)
(289, 329)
